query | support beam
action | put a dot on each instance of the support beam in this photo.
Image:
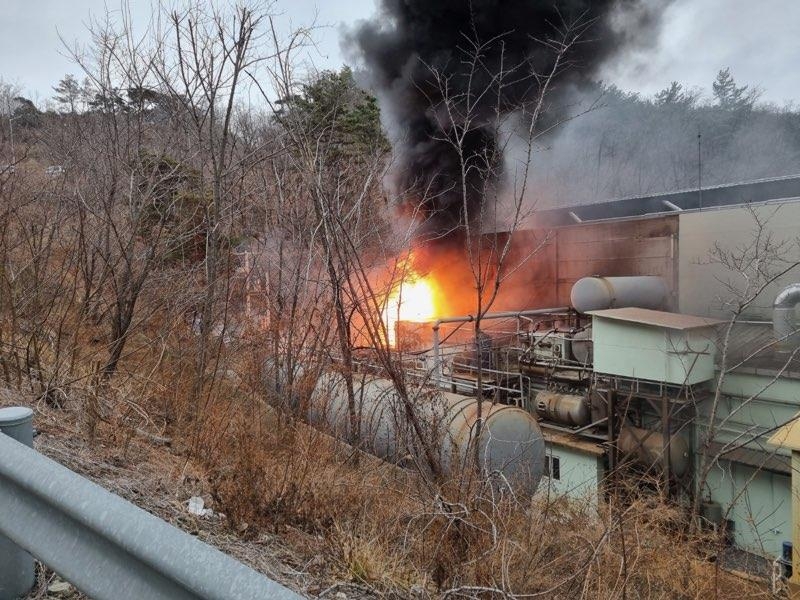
(17, 568)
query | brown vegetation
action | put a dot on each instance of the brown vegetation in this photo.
(188, 244)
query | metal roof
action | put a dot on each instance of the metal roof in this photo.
(656, 318)
(760, 190)
(572, 441)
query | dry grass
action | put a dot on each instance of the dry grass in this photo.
(379, 528)
(314, 513)
(300, 503)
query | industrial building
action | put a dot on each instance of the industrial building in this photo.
(670, 353)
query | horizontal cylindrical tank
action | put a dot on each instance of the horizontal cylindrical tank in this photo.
(567, 409)
(510, 443)
(582, 348)
(599, 293)
(648, 448)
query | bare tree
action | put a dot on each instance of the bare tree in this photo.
(131, 206)
(200, 60)
(486, 226)
(751, 267)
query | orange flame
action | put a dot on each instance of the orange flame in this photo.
(413, 299)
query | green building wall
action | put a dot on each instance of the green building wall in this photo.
(756, 495)
(758, 502)
(580, 477)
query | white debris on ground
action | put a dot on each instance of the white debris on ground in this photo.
(60, 589)
(196, 507)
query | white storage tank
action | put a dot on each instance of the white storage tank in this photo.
(600, 293)
(511, 445)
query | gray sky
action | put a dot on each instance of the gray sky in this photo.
(759, 40)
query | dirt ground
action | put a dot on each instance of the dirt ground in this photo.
(159, 480)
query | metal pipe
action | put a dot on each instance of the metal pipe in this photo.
(671, 206)
(17, 570)
(783, 315)
(510, 314)
(437, 358)
(438, 374)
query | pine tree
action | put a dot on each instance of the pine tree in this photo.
(68, 94)
(730, 96)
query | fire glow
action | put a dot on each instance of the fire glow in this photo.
(413, 299)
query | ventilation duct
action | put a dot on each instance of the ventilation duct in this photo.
(783, 315)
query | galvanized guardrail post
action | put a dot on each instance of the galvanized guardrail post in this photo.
(104, 545)
(17, 572)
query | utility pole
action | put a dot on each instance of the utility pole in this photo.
(700, 169)
(11, 135)
(11, 118)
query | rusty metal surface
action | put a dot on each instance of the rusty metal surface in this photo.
(623, 248)
(544, 264)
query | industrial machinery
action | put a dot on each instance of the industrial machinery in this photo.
(580, 381)
(613, 372)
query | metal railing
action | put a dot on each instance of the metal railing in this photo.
(105, 546)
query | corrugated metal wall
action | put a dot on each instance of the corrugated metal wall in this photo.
(630, 247)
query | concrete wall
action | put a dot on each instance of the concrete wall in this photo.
(701, 283)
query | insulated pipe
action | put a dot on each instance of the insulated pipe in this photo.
(17, 574)
(600, 293)
(783, 317)
(511, 445)
(647, 447)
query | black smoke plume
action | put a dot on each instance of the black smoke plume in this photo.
(410, 40)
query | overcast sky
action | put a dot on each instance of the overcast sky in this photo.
(758, 39)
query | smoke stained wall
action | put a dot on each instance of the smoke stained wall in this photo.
(417, 57)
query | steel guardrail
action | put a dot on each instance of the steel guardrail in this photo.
(107, 547)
